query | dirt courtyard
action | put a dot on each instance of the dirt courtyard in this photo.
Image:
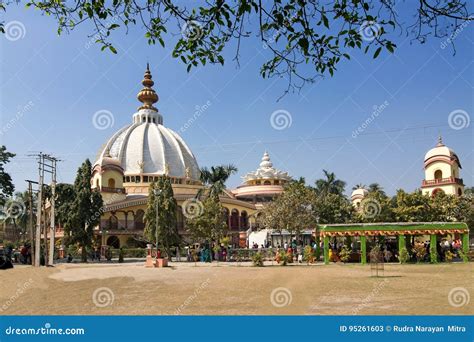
(186, 289)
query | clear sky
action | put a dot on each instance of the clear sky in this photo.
(51, 87)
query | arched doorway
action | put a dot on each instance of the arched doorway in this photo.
(113, 241)
(179, 218)
(437, 191)
(438, 174)
(111, 183)
(138, 220)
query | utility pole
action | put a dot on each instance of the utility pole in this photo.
(52, 230)
(46, 163)
(38, 210)
(30, 220)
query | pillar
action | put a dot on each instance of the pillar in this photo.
(433, 252)
(363, 250)
(401, 243)
(326, 250)
(465, 246)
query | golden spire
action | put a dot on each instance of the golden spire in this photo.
(147, 95)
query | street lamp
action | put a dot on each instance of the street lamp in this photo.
(157, 193)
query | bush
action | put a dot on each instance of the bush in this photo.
(345, 254)
(463, 255)
(308, 255)
(404, 256)
(121, 254)
(420, 252)
(285, 258)
(449, 256)
(257, 259)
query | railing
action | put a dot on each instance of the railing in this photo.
(448, 180)
(113, 190)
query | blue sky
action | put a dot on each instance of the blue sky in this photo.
(51, 87)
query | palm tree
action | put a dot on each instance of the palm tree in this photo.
(215, 178)
(376, 188)
(359, 186)
(330, 185)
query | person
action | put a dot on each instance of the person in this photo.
(24, 255)
(69, 258)
(285, 245)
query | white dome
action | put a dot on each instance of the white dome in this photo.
(150, 148)
(441, 150)
(360, 192)
(146, 146)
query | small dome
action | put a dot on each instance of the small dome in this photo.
(360, 192)
(441, 151)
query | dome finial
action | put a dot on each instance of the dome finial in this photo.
(147, 95)
(440, 141)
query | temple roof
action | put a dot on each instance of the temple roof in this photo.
(266, 171)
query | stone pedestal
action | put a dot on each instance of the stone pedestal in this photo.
(152, 262)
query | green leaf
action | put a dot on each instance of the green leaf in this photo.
(377, 52)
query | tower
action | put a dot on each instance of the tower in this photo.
(442, 167)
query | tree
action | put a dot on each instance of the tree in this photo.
(333, 208)
(162, 206)
(375, 207)
(359, 186)
(84, 211)
(6, 184)
(376, 188)
(293, 33)
(292, 210)
(412, 207)
(215, 178)
(330, 184)
(210, 224)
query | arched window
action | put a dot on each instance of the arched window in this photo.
(437, 191)
(111, 183)
(138, 221)
(234, 219)
(459, 192)
(267, 182)
(438, 174)
(97, 183)
(113, 222)
(244, 220)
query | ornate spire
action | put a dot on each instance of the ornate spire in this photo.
(147, 95)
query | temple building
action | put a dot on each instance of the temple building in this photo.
(357, 196)
(137, 155)
(263, 184)
(442, 167)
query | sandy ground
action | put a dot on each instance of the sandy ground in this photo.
(131, 289)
